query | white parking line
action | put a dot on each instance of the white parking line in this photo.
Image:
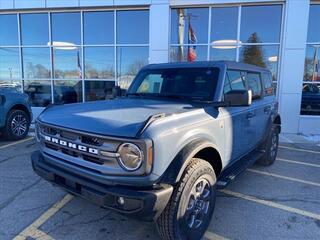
(299, 149)
(284, 177)
(297, 162)
(15, 143)
(32, 229)
(212, 236)
(272, 204)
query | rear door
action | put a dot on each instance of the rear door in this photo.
(255, 118)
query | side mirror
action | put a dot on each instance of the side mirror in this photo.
(238, 98)
(117, 92)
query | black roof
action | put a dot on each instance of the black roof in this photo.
(199, 64)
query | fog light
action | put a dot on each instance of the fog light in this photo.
(120, 201)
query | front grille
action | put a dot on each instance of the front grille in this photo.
(76, 139)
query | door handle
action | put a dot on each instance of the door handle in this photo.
(267, 109)
(250, 115)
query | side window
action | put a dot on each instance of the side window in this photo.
(234, 81)
(254, 83)
(268, 85)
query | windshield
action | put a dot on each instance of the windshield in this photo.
(187, 83)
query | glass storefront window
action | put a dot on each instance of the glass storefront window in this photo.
(67, 63)
(260, 23)
(129, 62)
(261, 55)
(180, 53)
(36, 63)
(98, 27)
(67, 91)
(183, 20)
(66, 29)
(224, 25)
(98, 90)
(227, 53)
(311, 65)
(39, 92)
(310, 101)
(99, 62)
(9, 64)
(34, 29)
(133, 27)
(313, 27)
(8, 30)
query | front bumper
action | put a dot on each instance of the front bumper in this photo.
(144, 203)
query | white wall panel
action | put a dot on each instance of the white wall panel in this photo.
(159, 33)
(6, 4)
(30, 3)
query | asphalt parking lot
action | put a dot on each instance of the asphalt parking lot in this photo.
(279, 202)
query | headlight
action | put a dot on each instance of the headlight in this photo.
(130, 156)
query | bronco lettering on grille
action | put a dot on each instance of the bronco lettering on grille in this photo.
(71, 145)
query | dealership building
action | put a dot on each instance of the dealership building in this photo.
(64, 51)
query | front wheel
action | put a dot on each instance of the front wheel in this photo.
(17, 125)
(191, 206)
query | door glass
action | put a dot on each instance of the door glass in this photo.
(234, 81)
(254, 83)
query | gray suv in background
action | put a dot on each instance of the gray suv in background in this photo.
(160, 152)
(15, 114)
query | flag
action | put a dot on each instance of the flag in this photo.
(79, 66)
(192, 39)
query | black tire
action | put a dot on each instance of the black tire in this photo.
(175, 222)
(270, 148)
(10, 130)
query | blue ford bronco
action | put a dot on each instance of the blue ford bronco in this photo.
(15, 114)
(160, 152)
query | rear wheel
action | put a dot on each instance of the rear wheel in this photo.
(191, 206)
(17, 125)
(270, 148)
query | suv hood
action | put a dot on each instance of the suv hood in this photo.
(122, 117)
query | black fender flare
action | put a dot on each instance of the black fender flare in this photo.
(176, 168)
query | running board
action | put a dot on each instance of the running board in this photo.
(230, 173)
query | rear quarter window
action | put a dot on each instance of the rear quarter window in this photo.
(268, 84)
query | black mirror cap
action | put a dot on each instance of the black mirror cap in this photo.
(238, 98)
(117, 91)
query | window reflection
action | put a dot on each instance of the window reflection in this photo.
(311, 65)
(261, 55)
(313, 26)
(182, 19)
(36, 62)
(66, 27)
(310, 102)
(133, 27)
(9, 64)
(180, 53)
(39, 92)
(129, 62)
(98, 90)
(67, 91)
(98, 27)
(262, 21)
(12, 84)
(67, 63)
(8, 30)
(99, 62)
(34, 29)
(224, 24)
(227, 53)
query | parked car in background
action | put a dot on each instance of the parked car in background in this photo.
(15, 114)
(160, 152)
(310, 104)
